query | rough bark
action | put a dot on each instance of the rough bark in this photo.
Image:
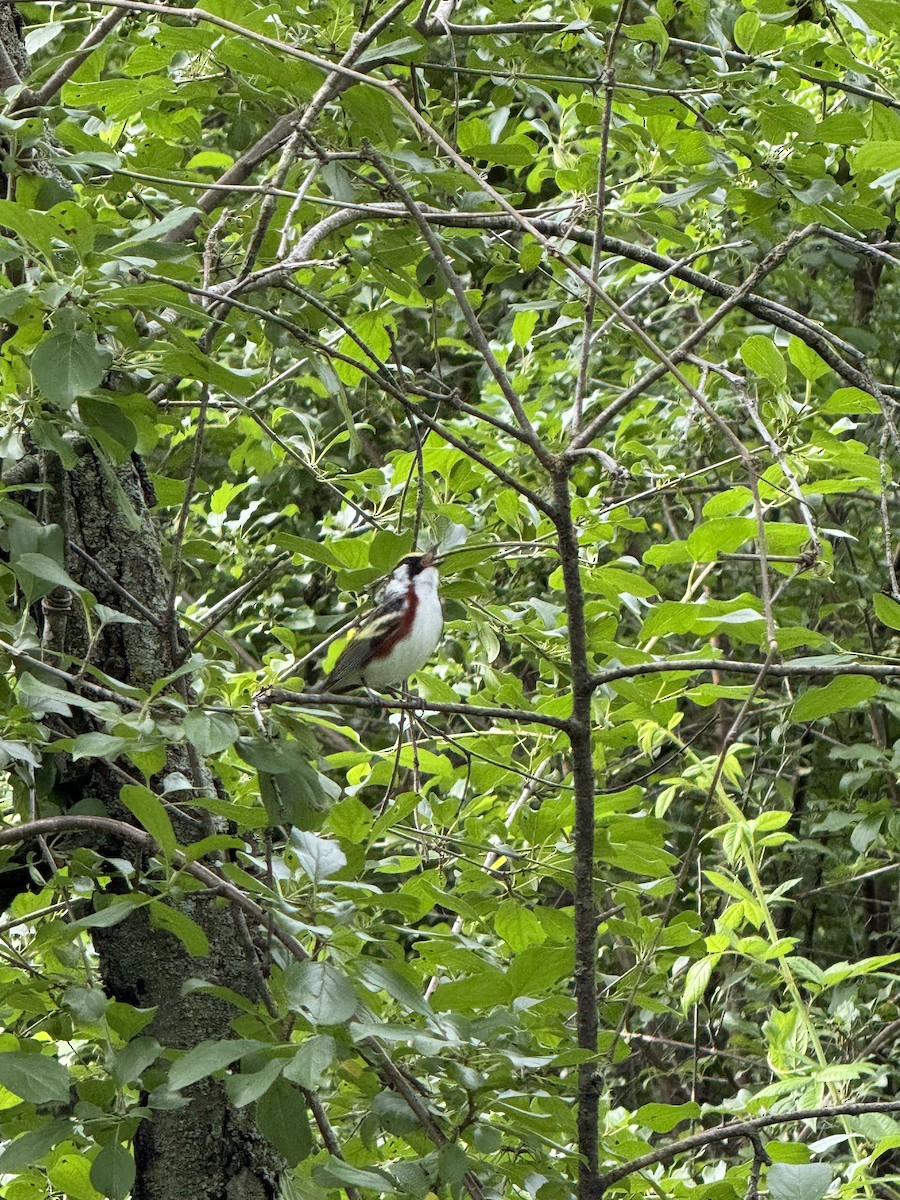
(209, 1149)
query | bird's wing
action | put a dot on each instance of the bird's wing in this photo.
(346, 671)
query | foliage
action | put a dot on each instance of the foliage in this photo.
(624, 274)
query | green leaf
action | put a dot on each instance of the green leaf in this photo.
(31, 1147)
(312, 1060)
(245, 1089)
(339, 1174)
(35, 228)
(400, 48)
(151, 812)
(132, 1060)
(70, 1175)
(69, 363)
(662, 1118)
(763, 357)
(185, 928)
(676, 616)
(322, 991)
(697, 981)
(650, 30)
(798, 1181)
(518, 926)
(877, 156)
(319, 857)
(887, 610)
(113, 1171)
(523, 326)
(851, 401)
(156, 229)
(208, 1057)
(210, 733)
(519, 153)
(34, 1077)
(806, 361)
(87, 1004)
(745, 29)
(380, 977)
(847, 691)
(282, 1119)
(187, 360)
(615, 582)
(721, 535)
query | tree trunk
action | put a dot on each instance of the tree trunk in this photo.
(207, 1148)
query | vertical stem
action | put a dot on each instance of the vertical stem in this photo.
(583, 782)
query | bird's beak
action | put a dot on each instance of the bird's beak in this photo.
(429, 558)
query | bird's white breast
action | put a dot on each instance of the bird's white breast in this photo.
(412, 652)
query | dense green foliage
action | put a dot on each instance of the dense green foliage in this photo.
(410, 370)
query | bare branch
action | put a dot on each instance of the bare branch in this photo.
(741, 1129)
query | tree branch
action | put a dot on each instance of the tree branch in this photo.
(740, 1129)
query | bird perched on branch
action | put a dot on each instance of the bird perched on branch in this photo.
(400, 635)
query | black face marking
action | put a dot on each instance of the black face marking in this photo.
(414, 563)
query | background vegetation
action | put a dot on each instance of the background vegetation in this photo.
(602, 299)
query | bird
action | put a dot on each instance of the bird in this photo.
(401, 634)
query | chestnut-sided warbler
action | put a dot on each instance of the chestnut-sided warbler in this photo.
(400, 635)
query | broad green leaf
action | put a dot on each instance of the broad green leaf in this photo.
(489, 987)
(675, 616)
(798, 1181)
(380, 977)
(70, 1175)
(399, 48)
(850, 400)
(615, 582)
(132, 1060)
(39, 574)
(187, 360)
(320, 990)
(697, 980)
(34, 228)
(879, 156)
(763, 357)
(319, 857)
(312, 1060)
(29, 1148)
(69, 363)
(887, 610)
(846, 691)
(282, 1119)
(650, 30)
(185, 928)
(806, 361)
(245, 1089)
(523, 327)
(208, 1057)
(518, 153)
(151, 812)
(721, 535)
(87, 1004)
(210, 733)
(113, 1171)
(518, 926)
(156, 229)
(336, 1173)
(34, 1077)
(745, 29)
(662, 1118)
